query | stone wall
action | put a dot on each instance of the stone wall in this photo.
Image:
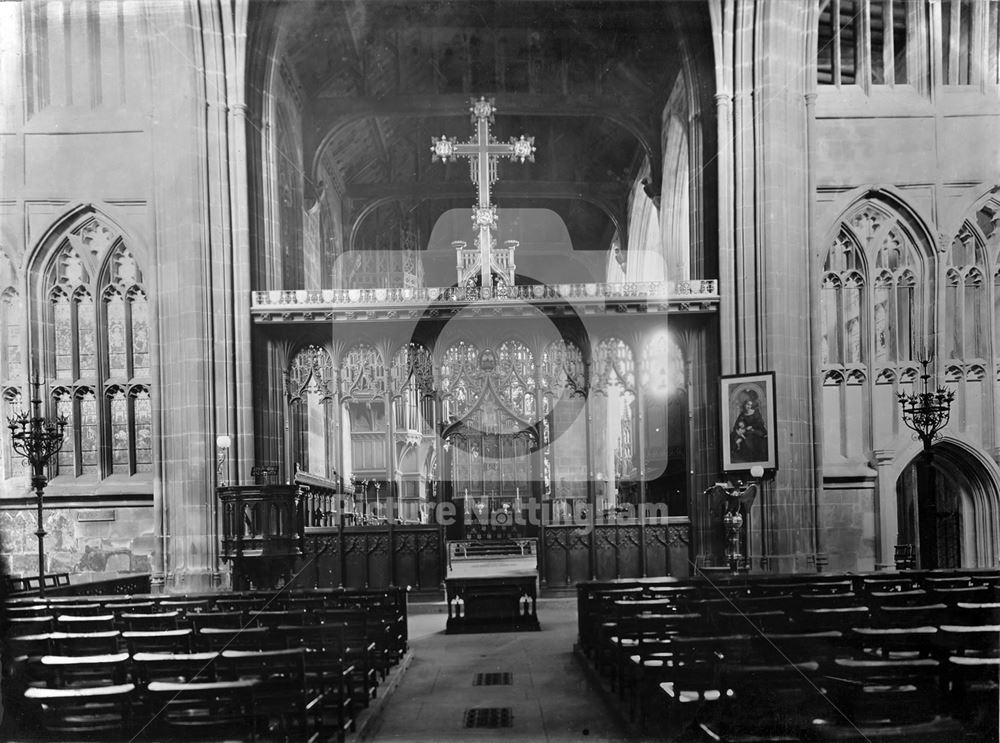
(87, 543)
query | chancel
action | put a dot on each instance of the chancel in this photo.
(625, 368)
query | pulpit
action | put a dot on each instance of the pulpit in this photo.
(262, 532)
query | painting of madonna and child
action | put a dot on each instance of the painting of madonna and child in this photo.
(748, 422)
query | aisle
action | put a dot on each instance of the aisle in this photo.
(548, 697)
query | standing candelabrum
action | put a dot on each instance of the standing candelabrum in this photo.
(37, 439)
(926, 413)
(731, 503)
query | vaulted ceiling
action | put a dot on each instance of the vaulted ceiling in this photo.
(589, 80)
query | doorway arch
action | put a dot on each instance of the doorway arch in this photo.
(967, 494)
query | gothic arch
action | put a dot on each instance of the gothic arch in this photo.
(38, 252)
(976, 479)
(893, 199)
(988, 199)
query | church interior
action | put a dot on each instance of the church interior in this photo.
(659, 338)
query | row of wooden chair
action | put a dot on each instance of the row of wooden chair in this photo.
(825, 663)
(293, 694)
(354, 636)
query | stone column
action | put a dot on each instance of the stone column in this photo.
(184, 293)
(773, 304)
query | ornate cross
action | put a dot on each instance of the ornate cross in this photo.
(483, 152)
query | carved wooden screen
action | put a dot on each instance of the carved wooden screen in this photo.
(310, 389)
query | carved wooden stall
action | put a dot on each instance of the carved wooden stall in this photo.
(301, 534)
(570, 554)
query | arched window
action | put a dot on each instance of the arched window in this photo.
(515, 378)
(460, 380)
(96, 351)
(841, 303)
(966, 333)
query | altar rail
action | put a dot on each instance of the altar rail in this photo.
(360, 557)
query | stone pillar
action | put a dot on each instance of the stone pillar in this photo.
(772, 300)
(184, 405)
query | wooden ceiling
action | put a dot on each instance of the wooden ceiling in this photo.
(587, 79)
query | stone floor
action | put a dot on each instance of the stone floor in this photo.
(549, 697)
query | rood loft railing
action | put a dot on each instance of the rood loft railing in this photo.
(693, 290)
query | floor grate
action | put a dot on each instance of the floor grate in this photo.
(489, 717)
(504, 678)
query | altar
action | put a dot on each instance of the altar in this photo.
(492, 593)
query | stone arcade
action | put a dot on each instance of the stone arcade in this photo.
(241, 236)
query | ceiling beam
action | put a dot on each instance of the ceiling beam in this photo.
(329, 116)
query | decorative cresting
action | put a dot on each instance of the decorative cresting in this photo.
(695, 295)
(483, 152)
(363, 374)
(37, 439)
(310, 370)
(926, 412)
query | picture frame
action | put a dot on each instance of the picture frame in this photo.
(748, 422)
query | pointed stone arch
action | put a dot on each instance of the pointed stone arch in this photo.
(967, 487)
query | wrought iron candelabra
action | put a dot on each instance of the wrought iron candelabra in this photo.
(37, 439)
(926, 413)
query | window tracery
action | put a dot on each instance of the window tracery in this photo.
(97, 351)
(563, 371)
(966, 331)
(363, 373)
(309, 388)
(514, 379)
(461, 381)
(413, 387)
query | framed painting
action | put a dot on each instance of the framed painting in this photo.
(748, 422)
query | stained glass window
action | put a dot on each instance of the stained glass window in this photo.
(140, 334)
(89, 434)
(62, 313)
(143, 417)
(117, 340)
(66, 458)
(98, 353)
(86, 324)
(119, 430)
